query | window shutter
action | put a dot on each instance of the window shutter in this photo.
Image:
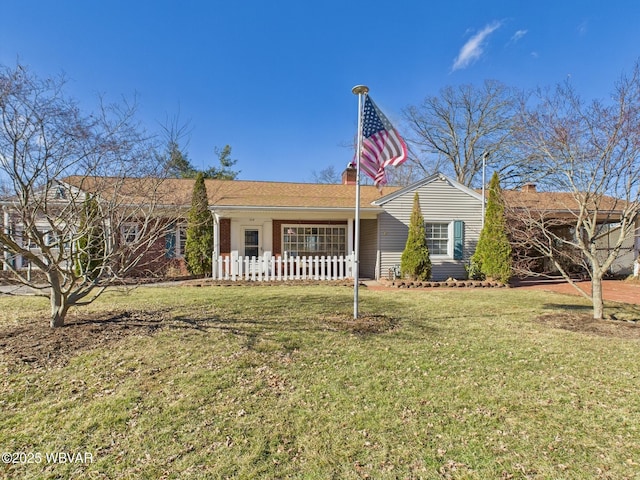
(458, 240)
(170, 245)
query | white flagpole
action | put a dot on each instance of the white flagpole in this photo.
(484, 167)
(361, 91)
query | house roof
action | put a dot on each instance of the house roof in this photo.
(556, 201)
(243, 193)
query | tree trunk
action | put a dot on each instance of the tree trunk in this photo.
(596, 297)
(58, 311)
(59, 308)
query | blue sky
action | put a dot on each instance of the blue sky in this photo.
(273, 78)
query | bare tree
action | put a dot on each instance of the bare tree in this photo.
(452, 131)
(405, 174)
(173, 157)
(82, 193)
(326, 175)
(591, 153)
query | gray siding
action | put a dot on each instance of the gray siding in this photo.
(440, 202)
(368, 248)
(623, 264)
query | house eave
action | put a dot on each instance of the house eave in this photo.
(289, 209)
(424, 181)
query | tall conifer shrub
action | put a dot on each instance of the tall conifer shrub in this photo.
(415, 262)
(493, 252)
(90, 246)
(199, 244)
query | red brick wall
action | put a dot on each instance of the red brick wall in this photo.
(225, 237)
(153, 262)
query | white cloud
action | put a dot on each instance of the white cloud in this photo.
(474, 48)
(517, 36)
(583, 28)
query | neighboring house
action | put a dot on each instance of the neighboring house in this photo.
(561, 208)
(56, 198)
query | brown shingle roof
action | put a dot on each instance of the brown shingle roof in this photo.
(242, 193)
(555, 201)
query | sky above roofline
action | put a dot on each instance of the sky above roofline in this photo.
(273, 80)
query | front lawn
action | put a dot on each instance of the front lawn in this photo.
(280, 382)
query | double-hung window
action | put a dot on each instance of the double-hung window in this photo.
(129, 232)
(445, 239)
(437, 238)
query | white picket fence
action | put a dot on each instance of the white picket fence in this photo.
(270, 268)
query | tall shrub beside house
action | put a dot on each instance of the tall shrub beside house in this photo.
(415, 262)
(493, 252)
(90, 246)
(199, 244)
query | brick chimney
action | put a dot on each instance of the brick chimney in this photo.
(529, 188)
(349, 175)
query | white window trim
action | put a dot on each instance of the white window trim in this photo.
(450, 239)
(315, 225)
(125, 232)
(178, 247)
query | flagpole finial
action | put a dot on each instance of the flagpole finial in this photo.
(360, 90)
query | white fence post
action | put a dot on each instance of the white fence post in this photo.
(292, 268)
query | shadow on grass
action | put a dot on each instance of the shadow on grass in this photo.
(567, 306)
(284, 321)
(306, 314)
(151, 320)
(612, 310)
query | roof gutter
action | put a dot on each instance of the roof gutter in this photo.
(286, 209)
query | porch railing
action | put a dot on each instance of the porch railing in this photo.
(271, 268)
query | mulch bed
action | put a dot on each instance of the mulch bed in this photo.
(585, 323)
(36, 344)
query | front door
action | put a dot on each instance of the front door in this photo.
(252, 241)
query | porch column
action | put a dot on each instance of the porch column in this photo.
(350, 227)
(216, 234)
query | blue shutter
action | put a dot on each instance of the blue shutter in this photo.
(170, 243)
(458, 240)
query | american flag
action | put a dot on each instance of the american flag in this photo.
(382, 145)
